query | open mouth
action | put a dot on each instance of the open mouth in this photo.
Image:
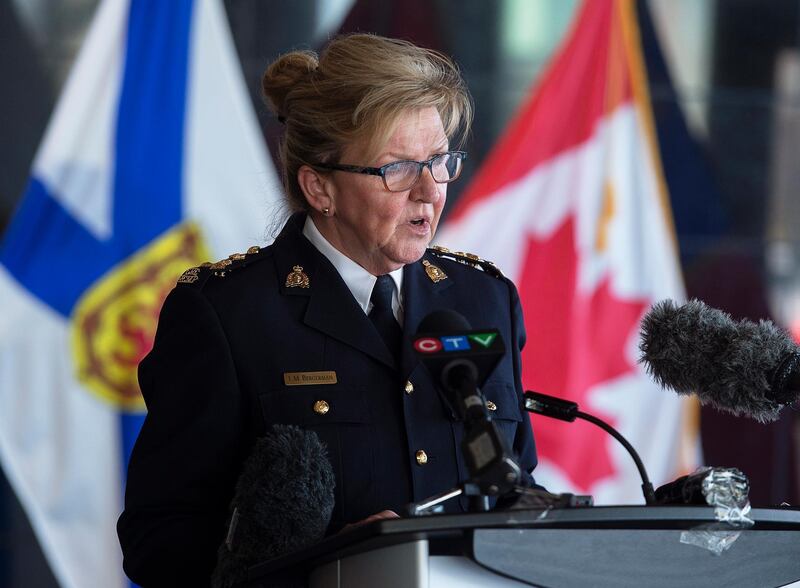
(418, 222)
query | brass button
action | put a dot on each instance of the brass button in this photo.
(409, 387)
(422, 457)
(321, 407)
(491, 405)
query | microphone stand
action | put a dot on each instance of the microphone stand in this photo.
(566, 410)
(477, 502)
(499, 475)
(492, 468)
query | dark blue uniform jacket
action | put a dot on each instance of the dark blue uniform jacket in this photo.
(214, 382)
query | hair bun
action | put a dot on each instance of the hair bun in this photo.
(283, 75)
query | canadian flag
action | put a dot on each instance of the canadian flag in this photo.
(572, 205)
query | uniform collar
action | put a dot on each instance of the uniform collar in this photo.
(358, 280)
(332, 308)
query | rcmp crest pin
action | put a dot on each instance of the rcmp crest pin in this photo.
(297, 278)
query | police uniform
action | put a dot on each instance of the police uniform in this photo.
(236, 338)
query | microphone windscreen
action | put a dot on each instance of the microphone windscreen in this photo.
(444, 321)
(729, 364)
(282, 503)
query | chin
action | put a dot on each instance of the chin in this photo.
(410, 253)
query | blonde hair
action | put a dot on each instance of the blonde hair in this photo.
(356, 90)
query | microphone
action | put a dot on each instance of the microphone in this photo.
(740, 367)
(706, 486)
(461, 359)
(282, 503)
(566, 410)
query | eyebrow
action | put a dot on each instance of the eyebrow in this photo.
(442, 148)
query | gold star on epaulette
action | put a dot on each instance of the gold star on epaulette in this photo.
(468, 259)
(234, 261)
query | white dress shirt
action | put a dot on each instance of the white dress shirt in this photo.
(358, 280)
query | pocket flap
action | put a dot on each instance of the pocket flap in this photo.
(504, 401)
(315, 406)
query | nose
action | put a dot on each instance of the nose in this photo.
(426, 189)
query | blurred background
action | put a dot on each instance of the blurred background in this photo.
(735, 71)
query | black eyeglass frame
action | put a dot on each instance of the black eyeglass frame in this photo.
(381, 171)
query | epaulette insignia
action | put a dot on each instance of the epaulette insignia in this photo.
(234, 261)
(434, 272)
(220, 265)
(220, 268)
(190, 276)
(469, 259)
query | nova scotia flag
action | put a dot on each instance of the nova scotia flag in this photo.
(152, 163)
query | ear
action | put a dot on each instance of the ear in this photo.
(317, 189)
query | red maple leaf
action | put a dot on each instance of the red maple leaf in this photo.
(575, 341)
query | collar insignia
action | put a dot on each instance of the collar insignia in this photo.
(297, 278)
(434, 272)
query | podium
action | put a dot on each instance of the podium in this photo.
(596, 546)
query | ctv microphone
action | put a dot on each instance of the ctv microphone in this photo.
(283, 502)
(741, 367)
(460, 359)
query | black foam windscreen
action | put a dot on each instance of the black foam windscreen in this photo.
(282, 503)
(741, 367)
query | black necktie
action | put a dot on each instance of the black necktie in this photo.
(382, 316)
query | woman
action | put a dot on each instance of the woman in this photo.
(367, 156)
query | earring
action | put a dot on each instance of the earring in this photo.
(326, 211)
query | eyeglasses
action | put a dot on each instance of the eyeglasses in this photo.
(400, 176)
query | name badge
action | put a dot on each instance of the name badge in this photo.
(309, 378)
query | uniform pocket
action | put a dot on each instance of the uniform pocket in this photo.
(312, 406)
(504, 409)
(341, 419)
(503, 403)
(502, 400)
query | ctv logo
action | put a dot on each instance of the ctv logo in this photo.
(453, 343)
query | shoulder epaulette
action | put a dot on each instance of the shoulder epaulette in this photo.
(469, 259)
(197, 276)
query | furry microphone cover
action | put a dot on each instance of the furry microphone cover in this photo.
(283, 502)
(696, 349)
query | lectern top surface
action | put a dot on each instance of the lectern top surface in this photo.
(449, 529)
